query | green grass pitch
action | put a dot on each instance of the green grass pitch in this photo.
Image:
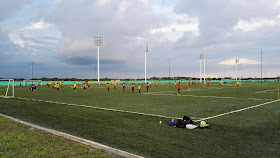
(249, 133)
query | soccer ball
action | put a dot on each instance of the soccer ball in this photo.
(203, 122)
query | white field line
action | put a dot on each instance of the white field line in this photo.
(207, 96)
(267, 91)
(106, 109)
(250, 107)
(77, 139)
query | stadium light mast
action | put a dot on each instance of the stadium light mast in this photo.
(261, 66)
(169, 70)
(236, 62)
(98, 42)
(32, 69)
(146, 50)
(204, 65)
(202, 56)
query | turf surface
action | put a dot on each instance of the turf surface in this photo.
(249, 133)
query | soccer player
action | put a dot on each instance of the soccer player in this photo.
(108, 87)
(175, 83)
(115, 85)
(208, 83)
(178, 88)
(147, 86)
(237, 83)
(84, 85)
(220, 83)
(75, 86)
(57, 87)
(32, 88)
(88, 84)
(132, 87)
(123, 87)
(150, 84)
(139, 88)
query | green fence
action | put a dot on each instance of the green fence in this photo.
(18, 83)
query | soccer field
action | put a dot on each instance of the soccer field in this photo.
(244, 121)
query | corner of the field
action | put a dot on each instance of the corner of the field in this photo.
(77, 139)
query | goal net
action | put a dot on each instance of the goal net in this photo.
(7, 88)
(30, 82)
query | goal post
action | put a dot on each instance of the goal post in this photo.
(7, 88)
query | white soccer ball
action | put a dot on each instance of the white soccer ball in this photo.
(160, 122)
(203, 122)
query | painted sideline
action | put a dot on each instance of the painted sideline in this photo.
(77, 139)
(250, 107)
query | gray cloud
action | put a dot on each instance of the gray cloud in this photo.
(8, 8)
(126, 27)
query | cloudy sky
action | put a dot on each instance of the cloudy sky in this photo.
(57, 36)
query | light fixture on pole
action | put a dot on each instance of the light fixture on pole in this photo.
(236, 61)
(98, 42)
(146, 50)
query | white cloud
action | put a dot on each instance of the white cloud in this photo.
(175, 31)
(176, 25)
(15, 38)
(38, 25)
(102, 2)
(277, 4)
(242, 61)
(253, 24)
(123, 8)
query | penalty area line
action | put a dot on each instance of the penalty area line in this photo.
(235, 111)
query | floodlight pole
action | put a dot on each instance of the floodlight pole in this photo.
(169, 70)
(98, 42)
(146, 50)
(204, 66)
(236, 61)
(32, 69)
(200, 67)
(98, 63)
(202, 56)
(261, 66)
